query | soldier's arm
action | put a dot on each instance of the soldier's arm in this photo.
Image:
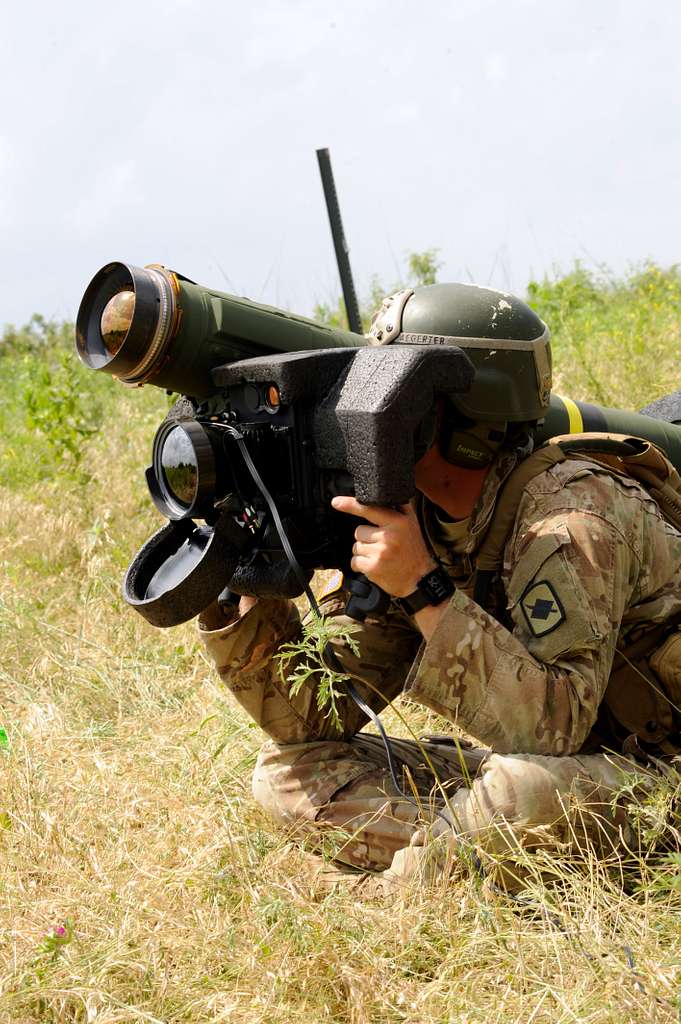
(535, 688)
(243, 650)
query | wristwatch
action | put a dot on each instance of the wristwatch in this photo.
(433, 588)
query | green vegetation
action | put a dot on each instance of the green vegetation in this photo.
(139, 881)
(317, 633)
(615, 342)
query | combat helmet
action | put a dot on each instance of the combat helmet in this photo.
(505, 340)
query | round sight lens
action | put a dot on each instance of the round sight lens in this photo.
(180, 466)
(116, 320)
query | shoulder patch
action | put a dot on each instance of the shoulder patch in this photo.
(542, 608)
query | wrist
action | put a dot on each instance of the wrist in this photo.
(427, 566)
(432, 589)
(428, 618)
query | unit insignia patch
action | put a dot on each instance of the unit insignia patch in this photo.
(542, 608)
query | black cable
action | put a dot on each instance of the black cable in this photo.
(260, 484)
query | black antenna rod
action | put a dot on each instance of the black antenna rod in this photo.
(339, 243)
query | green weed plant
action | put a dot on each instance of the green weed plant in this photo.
(303, 663)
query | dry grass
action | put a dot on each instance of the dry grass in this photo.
(127, 811)
(126, 819)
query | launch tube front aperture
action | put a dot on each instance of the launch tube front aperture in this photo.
(126, 321)
(151, 325)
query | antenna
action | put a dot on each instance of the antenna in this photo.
(339, 243)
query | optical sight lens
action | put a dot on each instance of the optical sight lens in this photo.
(180, 466)
(116, 320)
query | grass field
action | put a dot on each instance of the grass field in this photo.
(138, 879)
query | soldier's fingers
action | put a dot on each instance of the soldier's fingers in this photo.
(368, 534)
(360, 563)
(368, 550)
(375, 514)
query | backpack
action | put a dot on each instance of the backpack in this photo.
(650, 714)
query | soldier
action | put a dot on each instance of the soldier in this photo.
(550, 667)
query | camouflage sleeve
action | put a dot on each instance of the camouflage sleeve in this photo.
(243, 653)
(535, 689)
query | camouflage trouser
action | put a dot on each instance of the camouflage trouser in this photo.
(338, 792)
(467, 803)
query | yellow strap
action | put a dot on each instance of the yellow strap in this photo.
(576, 423)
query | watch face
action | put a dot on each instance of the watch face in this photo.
(433, 588)
(437, 586)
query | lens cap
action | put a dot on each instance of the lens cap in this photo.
(182, 568)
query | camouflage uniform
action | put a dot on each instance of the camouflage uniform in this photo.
(589, 559)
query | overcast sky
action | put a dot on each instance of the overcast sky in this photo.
(514, 136)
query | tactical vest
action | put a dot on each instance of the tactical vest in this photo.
(642, 703)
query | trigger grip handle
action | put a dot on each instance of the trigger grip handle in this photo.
(366, 598)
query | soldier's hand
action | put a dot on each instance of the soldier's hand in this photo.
(390, 550)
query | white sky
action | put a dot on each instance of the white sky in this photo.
(513, 135)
